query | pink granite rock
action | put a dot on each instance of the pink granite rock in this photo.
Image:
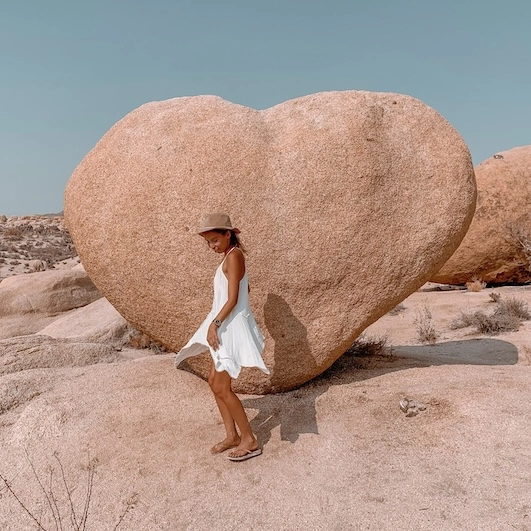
(497, 246)
(30, 302)
(23, 353)
(97, 322)
(347, 201)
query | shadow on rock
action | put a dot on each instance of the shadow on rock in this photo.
(293, 411)
(292, 354)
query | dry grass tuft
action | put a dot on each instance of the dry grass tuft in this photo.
(366, 353)
(476, 285)
(496, 323)
(464, 320)
(426, 332)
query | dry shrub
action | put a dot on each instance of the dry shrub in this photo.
(139, 340)
(464, 319)
(365, 353)
(65, 507)
(476, 285)
(507, 317)
(426, 332)
(513, 306)
(494, 297)
(364, 347)
(13, 233)
(496, 324)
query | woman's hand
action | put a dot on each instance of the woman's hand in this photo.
(212, 336)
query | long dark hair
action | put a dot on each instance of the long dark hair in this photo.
(234, 240)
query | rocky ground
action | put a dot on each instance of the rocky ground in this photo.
(34, 243)
(421, 425)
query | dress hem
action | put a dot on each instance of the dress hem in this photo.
(217, 362)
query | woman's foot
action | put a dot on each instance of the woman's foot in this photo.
(226, 444)
(246, 449)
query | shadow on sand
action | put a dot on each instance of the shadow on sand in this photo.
(294, 412)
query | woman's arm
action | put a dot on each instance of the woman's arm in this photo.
(234, 269)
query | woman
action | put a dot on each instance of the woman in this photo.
(231, 334)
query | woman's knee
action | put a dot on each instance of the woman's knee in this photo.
(219, 385)
(221, 391)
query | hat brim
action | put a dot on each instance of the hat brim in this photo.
(208, 229)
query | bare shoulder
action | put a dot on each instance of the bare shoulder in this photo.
(234, 261)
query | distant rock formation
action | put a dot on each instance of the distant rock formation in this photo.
(347, 201)
(34, 243)
(497, 246)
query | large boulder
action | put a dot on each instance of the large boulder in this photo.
(30, 302)
(497, 246)
(347, 201)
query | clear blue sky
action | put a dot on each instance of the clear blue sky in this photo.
(70, 69)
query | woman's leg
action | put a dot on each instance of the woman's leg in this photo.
(232, 438)
(220, 383)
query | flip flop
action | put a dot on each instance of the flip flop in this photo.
(247, 455)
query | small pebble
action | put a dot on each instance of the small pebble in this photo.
(404, 405)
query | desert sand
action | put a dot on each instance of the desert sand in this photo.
(339, 452)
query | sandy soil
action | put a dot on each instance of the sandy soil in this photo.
(339, 453)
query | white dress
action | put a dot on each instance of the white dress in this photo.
(240, 341)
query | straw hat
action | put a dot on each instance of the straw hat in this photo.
(218, 220)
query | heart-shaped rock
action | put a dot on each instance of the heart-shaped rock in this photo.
(347, 202)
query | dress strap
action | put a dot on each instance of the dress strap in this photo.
(230, 251)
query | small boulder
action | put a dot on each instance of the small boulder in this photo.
(35, 266)
(30, 302)
(98, 322)
(49, 292)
